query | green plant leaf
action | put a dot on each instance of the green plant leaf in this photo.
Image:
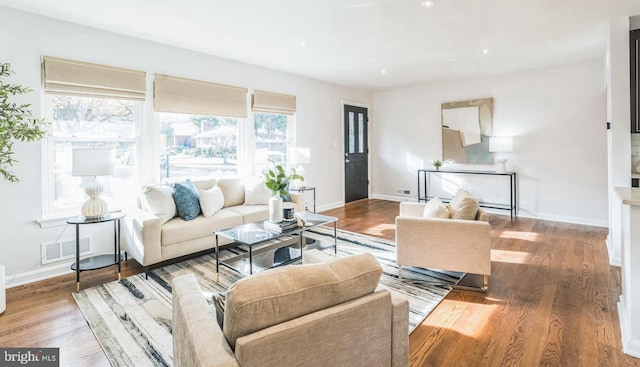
(16, 123)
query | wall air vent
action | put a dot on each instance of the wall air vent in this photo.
(403, 192)
(65, 249)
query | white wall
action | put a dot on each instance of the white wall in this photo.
(556, 115)
(619, 136)
(27, 37)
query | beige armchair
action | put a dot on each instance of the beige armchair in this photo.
(445, 244)
(327, 314)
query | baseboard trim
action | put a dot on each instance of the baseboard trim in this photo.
(630, 344)
(520, 213)
(613, 260)
(334, 205)
(37, 275)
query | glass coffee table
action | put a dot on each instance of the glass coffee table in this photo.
(252, 240)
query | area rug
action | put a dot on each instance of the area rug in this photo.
(132, 319)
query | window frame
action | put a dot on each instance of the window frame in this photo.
(48, 155)
(290, 142)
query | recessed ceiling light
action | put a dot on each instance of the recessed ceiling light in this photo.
(485, 51)
(383, 71)
(303, 44)
(428, 3)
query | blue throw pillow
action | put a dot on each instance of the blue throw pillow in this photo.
(187, 200)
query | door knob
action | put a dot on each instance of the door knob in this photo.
(346, 161)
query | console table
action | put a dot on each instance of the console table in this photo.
(423, 194)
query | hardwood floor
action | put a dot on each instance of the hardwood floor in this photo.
(551, 302)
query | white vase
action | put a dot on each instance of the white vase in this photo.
(275, 209)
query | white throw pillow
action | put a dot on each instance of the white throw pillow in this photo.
(158, 199)
(256, 192)
(211, 201)
(435, 208)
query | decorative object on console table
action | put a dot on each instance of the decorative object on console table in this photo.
(437, 164)
(299, 156)
(500, 145)
(93, 162)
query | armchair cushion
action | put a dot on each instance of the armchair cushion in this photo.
(281, 294)
(463, 206)
(435, 208)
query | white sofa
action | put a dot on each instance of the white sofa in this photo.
(150, 240)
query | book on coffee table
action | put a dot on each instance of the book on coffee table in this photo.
(279, 227)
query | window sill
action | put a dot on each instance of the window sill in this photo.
(60, 219)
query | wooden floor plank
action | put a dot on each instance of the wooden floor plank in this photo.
(552, 301)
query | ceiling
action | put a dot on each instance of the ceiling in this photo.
(367, 44)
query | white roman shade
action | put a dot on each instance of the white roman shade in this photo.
(173, 94)
(61, 76)
(270, 102)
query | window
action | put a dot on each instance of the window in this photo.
(271, 138)
(94, 123)
(197, 146)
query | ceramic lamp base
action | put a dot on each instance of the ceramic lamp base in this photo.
(500, 165)
(94, 207)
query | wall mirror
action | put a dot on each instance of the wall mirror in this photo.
(466, 129)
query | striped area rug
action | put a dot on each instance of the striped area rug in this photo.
(132, 319)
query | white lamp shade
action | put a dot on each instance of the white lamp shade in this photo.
(300, 155)
(93, 162)
(500, 144)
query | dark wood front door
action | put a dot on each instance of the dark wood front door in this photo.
(356, 152)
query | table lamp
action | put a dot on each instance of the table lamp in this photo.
(93, 162)
(299, 156)
(500, 145)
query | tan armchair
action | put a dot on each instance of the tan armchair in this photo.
(445, 244)
(328, 314)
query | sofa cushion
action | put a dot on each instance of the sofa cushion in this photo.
(178, 230)
(251, 213)
(233, 191)
(205, 184)
(187, 201)
(158, 199)
(256, 192)
(281, 294)
(211, 201)
(435, 208)
(463, 206)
